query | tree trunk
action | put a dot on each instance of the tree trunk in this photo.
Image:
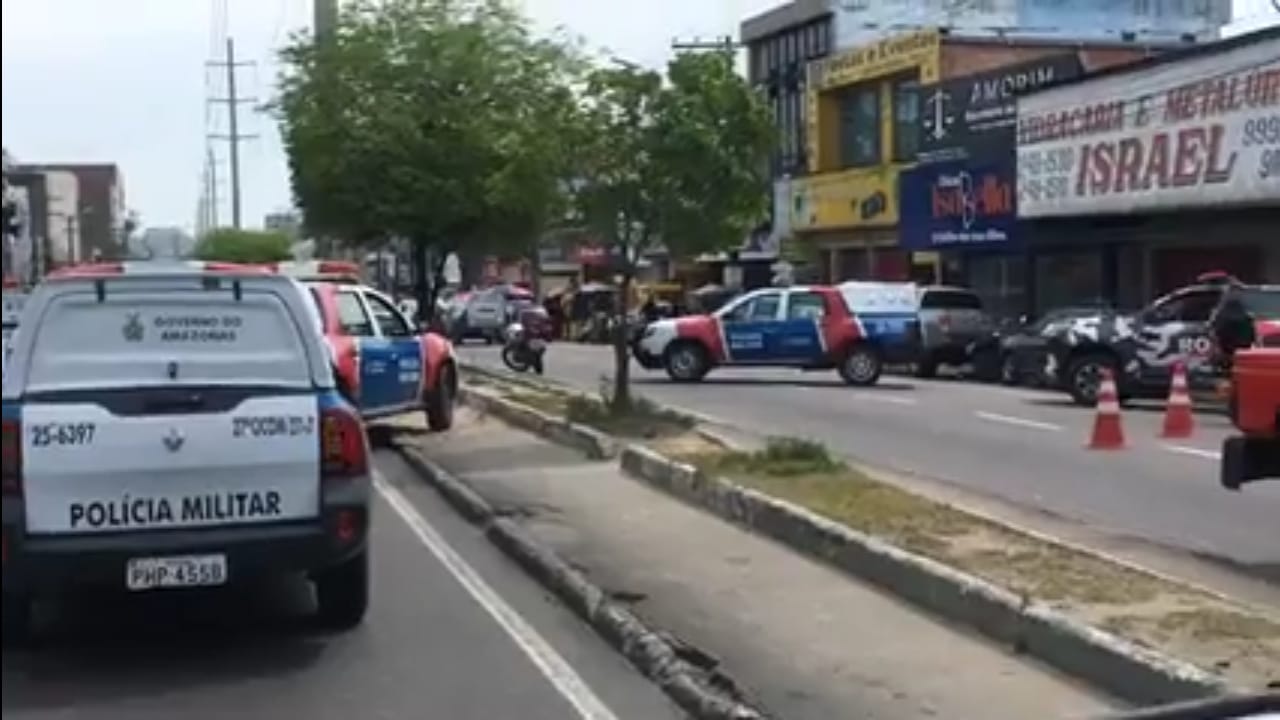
(421, 282)
(621, 403)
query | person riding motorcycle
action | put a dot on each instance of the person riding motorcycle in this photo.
(526, 339)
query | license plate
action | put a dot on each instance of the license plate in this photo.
(176, 572)
(537, 344)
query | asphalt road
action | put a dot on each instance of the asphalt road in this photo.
(1019, 445)
(455, 631)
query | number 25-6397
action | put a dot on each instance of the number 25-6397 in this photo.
(56, 433)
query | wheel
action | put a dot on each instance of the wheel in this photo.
(1009, 370)
(686, 362)
(16, 630)
(511, 358)
(1084, 377)
(861, 366)
(927, 367)
(440, 401)
(986, 365)
(342, 593)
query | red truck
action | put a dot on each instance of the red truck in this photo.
(1254, 454)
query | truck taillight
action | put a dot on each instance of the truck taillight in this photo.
(11, 457)
(344, 450)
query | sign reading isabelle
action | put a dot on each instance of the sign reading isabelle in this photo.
(1204, 131)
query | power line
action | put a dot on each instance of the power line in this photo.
(233, 135)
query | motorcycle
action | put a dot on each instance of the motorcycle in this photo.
(522, 350)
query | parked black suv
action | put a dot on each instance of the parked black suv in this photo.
(1142, 348)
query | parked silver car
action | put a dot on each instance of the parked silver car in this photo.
(951, 319)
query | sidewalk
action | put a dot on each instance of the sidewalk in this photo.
(805, 641)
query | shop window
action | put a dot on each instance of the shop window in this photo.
(852, 264)
(860, 127)
(906, 120)
(1000, 280)
(1063, 279)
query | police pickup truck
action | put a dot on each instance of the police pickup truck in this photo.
(854, 328)
(176, 425)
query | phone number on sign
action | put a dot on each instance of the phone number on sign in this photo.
(1264, 132)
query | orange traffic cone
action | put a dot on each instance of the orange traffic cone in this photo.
(1178, 420)
(1107, 432)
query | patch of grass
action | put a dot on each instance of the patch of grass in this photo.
(550, 403)
(783, 457)
(641, 419)
(805, 474)
(1217, 624)
(1056, 574)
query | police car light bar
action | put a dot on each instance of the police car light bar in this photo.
(111, 269)
(319, 269)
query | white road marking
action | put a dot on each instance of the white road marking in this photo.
(886, 399)
(552, 665)
(1195, 452)
(1016, 421)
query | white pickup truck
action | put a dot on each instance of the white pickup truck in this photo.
(177, 425)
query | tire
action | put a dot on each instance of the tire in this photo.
(439, 404)
(986, 365)
(512, 360)
(686, 362)
(16, 631)
(926, 367)
(342, 593)
(1009, 370)
(861, 366)
(1084, 373)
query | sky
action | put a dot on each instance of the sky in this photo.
(127, 81)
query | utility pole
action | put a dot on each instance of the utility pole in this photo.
(725, 43)
(324, 17)
(324, 22)
(233, 101)
(212, 179)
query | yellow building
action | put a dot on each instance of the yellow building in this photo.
(863, 110)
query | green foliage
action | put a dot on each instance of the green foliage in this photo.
(640, 418)
(784, 457)
(243, 246)
(436, 120)
(682, 163)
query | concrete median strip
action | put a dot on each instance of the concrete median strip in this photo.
(593, 443)
(1105, 660)
(686, 684)
(1126, 668)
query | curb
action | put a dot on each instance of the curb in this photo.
(595, 444)
(1125, 670)
(685, 684)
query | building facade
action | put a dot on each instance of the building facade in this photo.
(784, 39)
(1132, 182)
(959, 204)
(872, 108)
(86, 215)
(858, 21)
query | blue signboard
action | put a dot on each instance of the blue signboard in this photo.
(959, 204)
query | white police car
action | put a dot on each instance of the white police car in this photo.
(174, 425)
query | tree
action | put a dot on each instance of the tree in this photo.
(243, 246)
(433, 120)
(681, 164)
